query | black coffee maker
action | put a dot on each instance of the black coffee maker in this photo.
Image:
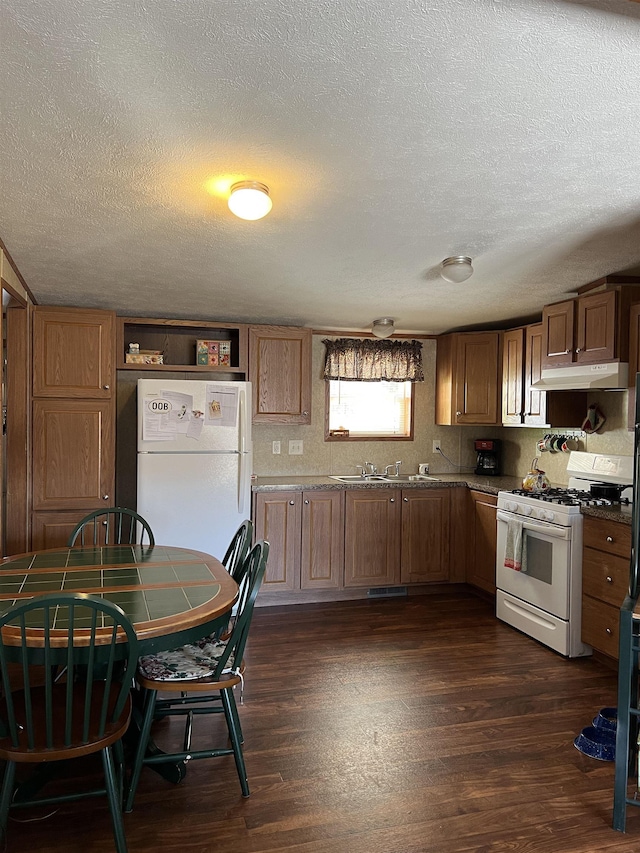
(488, 459)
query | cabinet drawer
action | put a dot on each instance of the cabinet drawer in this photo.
(600, 625)
(607, 536)
(605, 576)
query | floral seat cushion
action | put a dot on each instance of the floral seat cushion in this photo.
(187, 663)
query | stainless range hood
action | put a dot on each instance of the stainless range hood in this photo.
(610, 376)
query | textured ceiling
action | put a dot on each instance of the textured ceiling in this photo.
(391, 134)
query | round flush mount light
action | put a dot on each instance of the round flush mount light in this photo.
(383, 327)
(456, 269)
(249, 200)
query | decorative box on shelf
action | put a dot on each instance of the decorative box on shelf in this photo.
(213, 353)
(144, 356)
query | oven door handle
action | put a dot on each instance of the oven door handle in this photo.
(548, 529)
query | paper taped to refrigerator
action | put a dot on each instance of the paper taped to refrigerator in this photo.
(221, 406)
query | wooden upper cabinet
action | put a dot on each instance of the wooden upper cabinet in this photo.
(512, 374)
(73, 353)
(467, 378)
(280, 373)
(596, 328)
(534, 400)
(592, 329)
(558, 321)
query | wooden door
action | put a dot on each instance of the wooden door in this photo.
(277, 519)
(596, 327)
(558, 333)
(512, 373)
(73, 353)
(280, 371)
(73, 454)
(53, 529)
(477, 378)
(322, 553)
(481, 562)
(534, 400)
(372, 537)
(425, 536)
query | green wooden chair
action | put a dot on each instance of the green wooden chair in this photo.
(238, 549)
(116, 525)
(209, 670)
(44, 719)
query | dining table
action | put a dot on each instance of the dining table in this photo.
(171, 595)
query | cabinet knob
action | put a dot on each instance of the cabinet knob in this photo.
(609, 579)
(578, 349)
(609, 631)
(406, 500)
(567, 351)
(307, 501)
(458, 414)
(392, 500)
(305, 413)
(106, 387)
(292, 503)
(105, 497)
(609, 538)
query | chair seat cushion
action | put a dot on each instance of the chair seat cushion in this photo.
(187, 663)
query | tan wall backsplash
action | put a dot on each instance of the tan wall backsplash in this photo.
(519, 444)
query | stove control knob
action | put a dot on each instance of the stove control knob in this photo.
(510, 506)
(527, 510)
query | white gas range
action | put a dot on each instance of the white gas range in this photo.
(544, 599)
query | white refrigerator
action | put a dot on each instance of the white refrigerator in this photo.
(195, 461)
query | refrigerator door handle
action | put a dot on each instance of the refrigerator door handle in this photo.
(244, 476)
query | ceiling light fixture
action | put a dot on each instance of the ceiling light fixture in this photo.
(383, 327)
(249, 200)
(456, 269)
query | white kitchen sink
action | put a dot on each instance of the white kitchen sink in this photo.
(380, 478)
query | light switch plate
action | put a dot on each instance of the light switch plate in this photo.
(295, 448)
(275, 447)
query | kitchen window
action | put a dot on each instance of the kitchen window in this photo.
(369, 389)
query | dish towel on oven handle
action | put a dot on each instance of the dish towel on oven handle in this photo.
(515, 556)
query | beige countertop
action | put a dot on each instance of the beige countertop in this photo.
(621, 514)
(489, 485)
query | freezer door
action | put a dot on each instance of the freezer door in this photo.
(193, 500)
(194, 433)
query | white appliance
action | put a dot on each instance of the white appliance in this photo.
(195, 461)
(545, 601)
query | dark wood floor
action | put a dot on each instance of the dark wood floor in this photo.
(388, 726)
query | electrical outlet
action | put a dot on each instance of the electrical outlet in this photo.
(436, 446)
(275, 447)
(295, 448)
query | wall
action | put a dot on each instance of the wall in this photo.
(519, 444)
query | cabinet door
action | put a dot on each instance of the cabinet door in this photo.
(280, 370)
(52, 529)
(277, 519)
(558, 333)
(322, 555)
(481, 562)
(477, 378)
(596, 327)
(425, 536)
(73, 353)
(534, 400)
(372, 537)
(73, 454)
(512, 372)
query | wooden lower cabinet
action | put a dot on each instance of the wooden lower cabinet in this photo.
(605, 579)
(305, 532)
(372, 537)
(52, 529)
(425, 536)
(481, 556)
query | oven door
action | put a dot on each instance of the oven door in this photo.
(546, 581)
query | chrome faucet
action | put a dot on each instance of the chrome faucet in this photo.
(369, 469)
(396, 466)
